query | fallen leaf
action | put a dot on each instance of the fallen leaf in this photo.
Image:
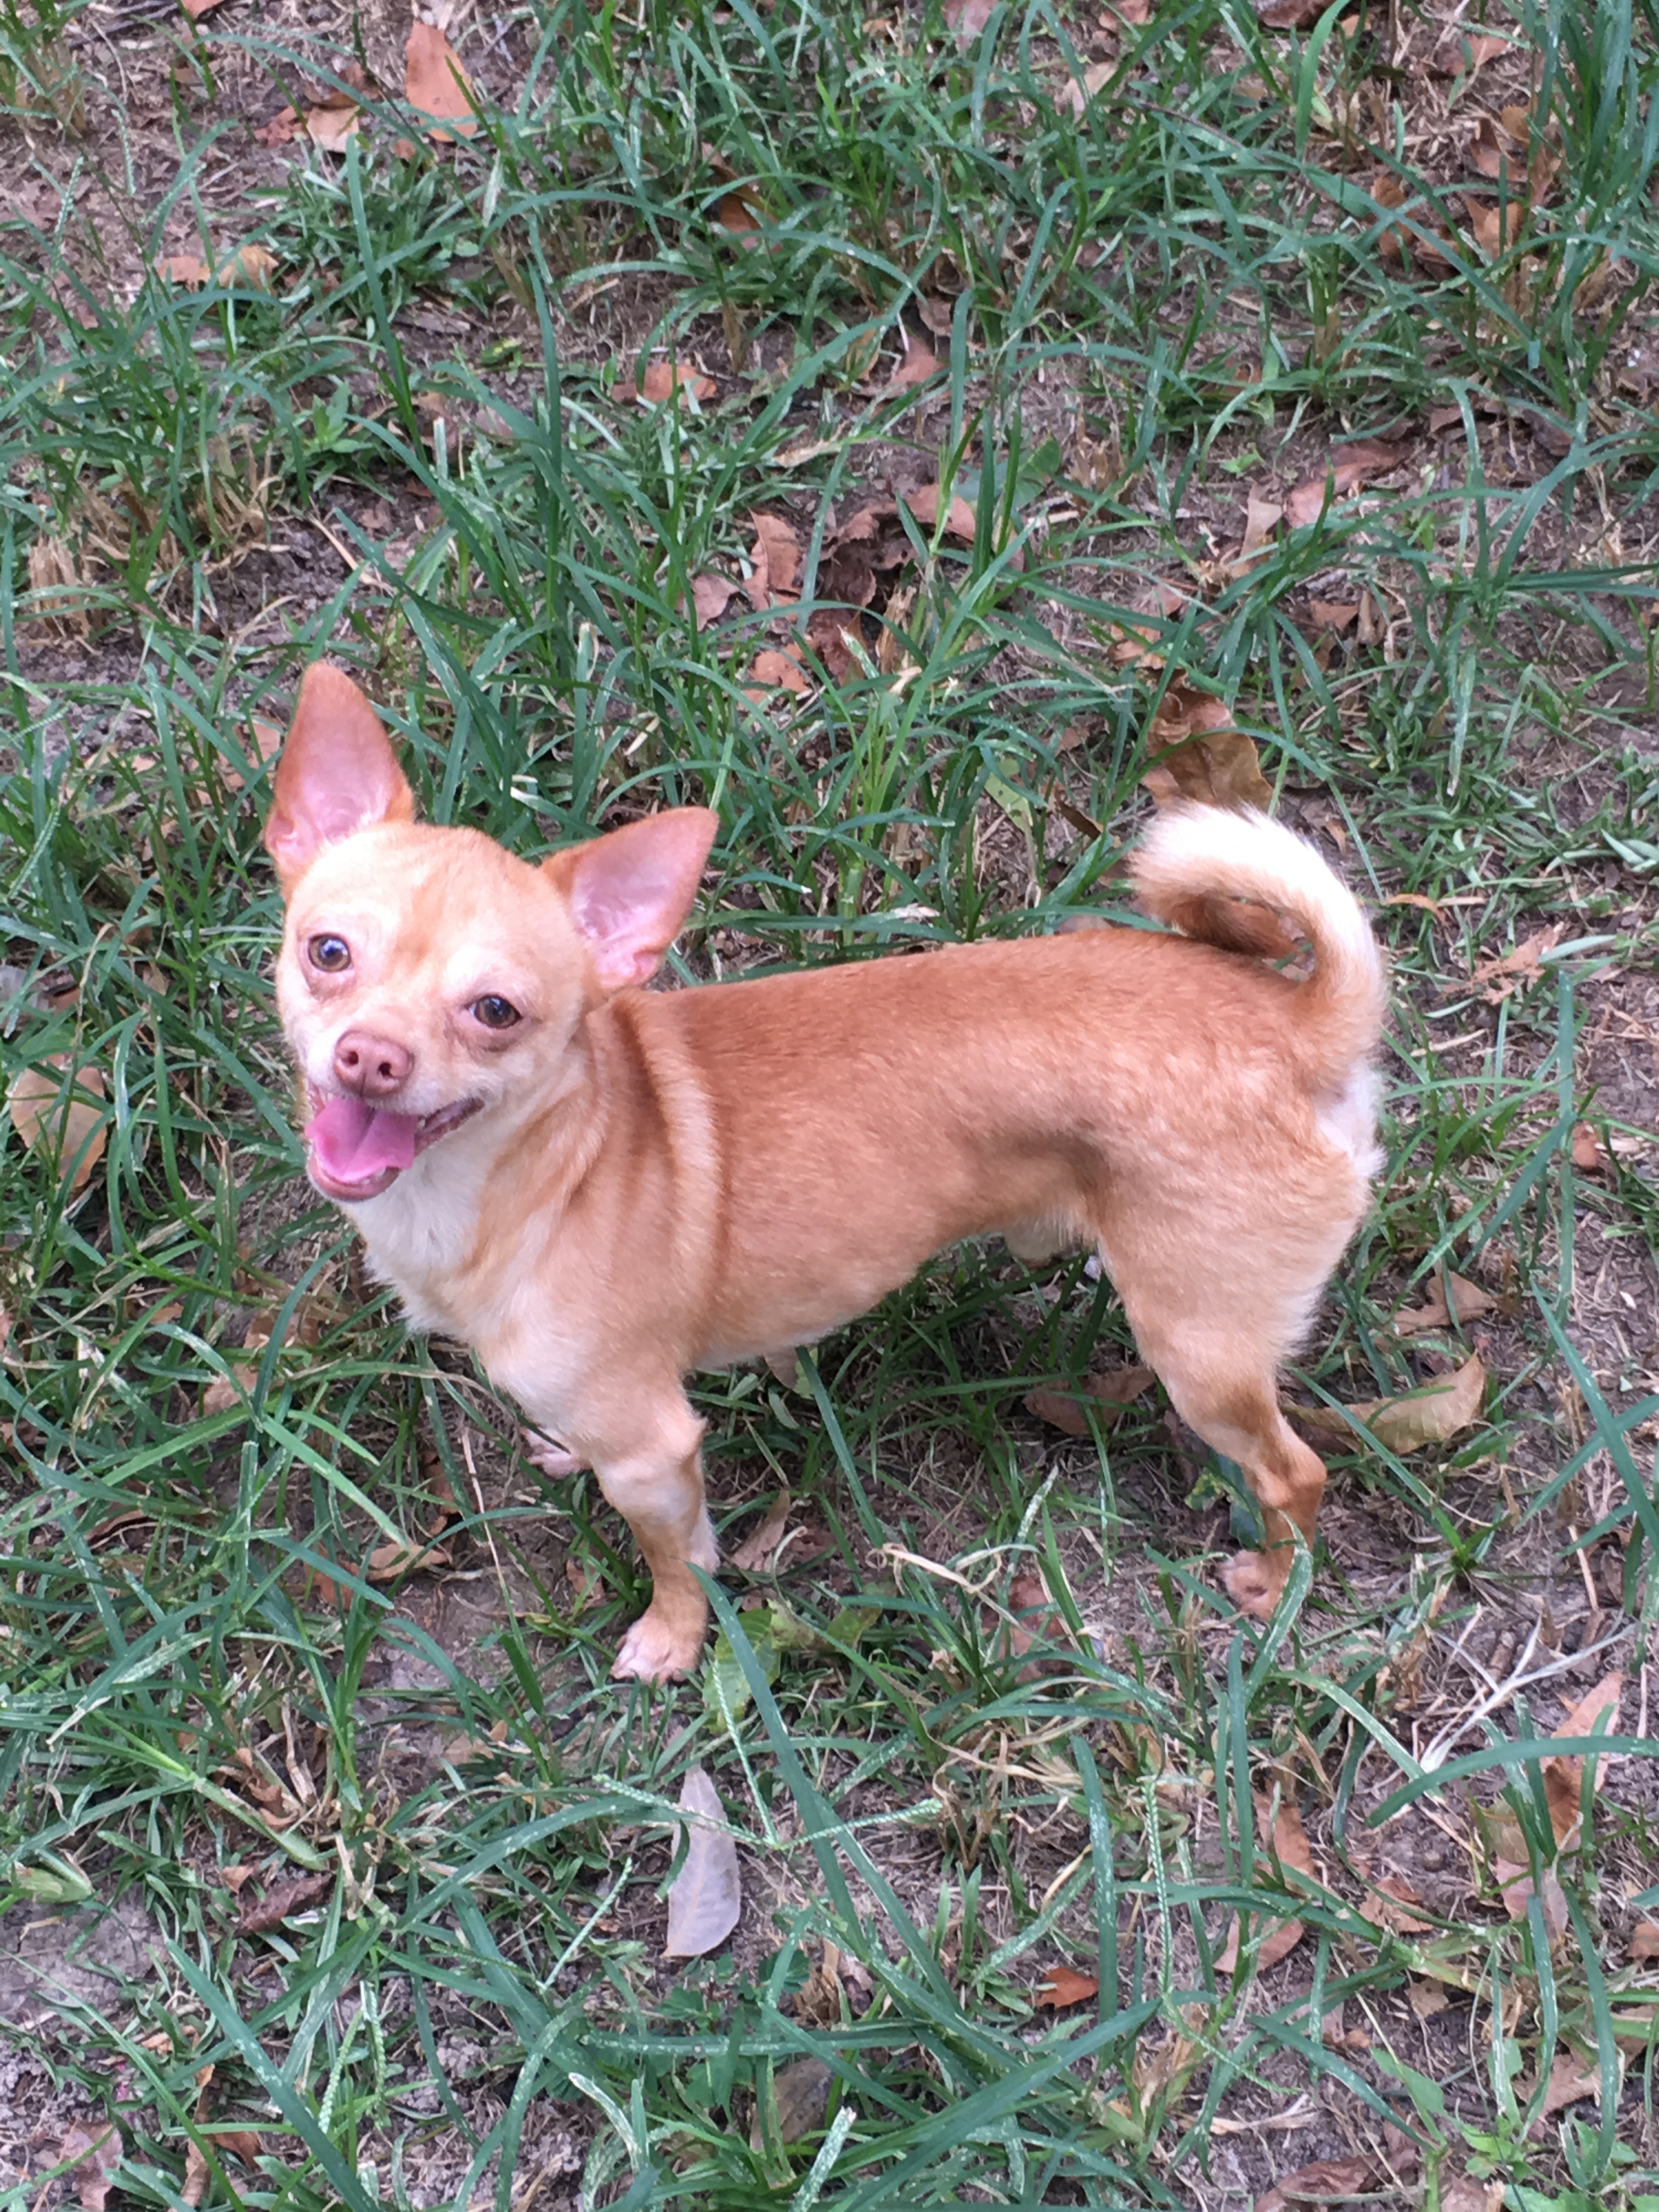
(261, 1914)
(1588, 1155)
(1644, 1942)
(710, 596)
(775, 559)
(230, 1389)
(1522, 964)
(1108, 1392)
(771, 669)
(707, 1897)
(198, 2172)
(966, 18)
(1495, 228)
(960, 521)
(1291, 1842)
(240, 2142)
(819, 2001)
(1289, 15)
(52, 1109)
(760, 1547)
(436, 86)
(1261, 519)
(186, 269)
(1426, 1999)
(1333, 615)
(1572, 2079)
(1564, 1773)
(197, 8)
(586, 1584)
(333, 121)
(665, 380)
(1433, 1414)
(96, 2152)
(916, 365)
(1350, 469)
(1200, 755)
(282, 127)
(251, 267)
(1060, 1986)
(1454, 1299)
(1073, 97)
(1326, 2181)
(1388, 1903)
(1462, 51)
(1389, 192)
(740, 214)
(801, 2096)
(388, 1563)
(1462, 2192)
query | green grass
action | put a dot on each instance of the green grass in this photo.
(482, 1956)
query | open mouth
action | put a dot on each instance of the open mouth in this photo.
(357, 1150)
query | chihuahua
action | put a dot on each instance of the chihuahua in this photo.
(601, 1187)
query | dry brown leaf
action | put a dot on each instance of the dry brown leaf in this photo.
(51, 1111)
(186, 269)
(1522, 964)
(710, 596)
(917, 364)
(1564, 1772)
(386, 1563)
(1462, 2192)
(1134, 13)
(667, 379)
(801, 2096)
(1060, 1986)
(1073, 97)
(1326, 2181)
(760, 1547)
(1454, 1299)
(775, 563)
(1291, 1842)
(1572, 2079)
(1200, 756)
(706, 1900)
(197, 8)
(96, 2152)
(1426, 1999)
(261, 1914)
(586, 1584)
(332, 121)
(1389, 1905)
(1289, 15)
(966, 18)
(1588, 1155)
(282, 127)
(1350, 470)
(1431, 1414)
(771, 670)
(1333, 615)
(232, 1388)
(1643, 1942)
(251, 267)
(1108, 1393)
(960, 521)
(1261, 519)
(198, 2174)
(1462, 51)
(1388, 191)
(436, 86)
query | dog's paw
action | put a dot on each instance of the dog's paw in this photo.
(658, 1649)
(1252, 1584)
(548, 1453)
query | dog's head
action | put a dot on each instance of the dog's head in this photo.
(426, 977)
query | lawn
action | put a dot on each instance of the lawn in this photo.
(923, 438)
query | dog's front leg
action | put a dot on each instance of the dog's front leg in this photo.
(655, 1482)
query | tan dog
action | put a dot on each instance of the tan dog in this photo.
(601, 1189)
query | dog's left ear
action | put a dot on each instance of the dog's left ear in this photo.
(337, 773)
(629, 891)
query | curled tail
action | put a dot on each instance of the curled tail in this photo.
(1227, 877)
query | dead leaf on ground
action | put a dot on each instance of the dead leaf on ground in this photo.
(1572, 2079)
(230, 1389)
(1522, 963)
(586, 1584)
(333, 121)
(705, 1900)
(1644, 1942)
(1351, 468)
(959, 521)
(1588, 1155)
(1564, 1773)
(188, 270)
(388, 1563)
(1326, 2181)
(1061, 1986)
(771, 671)
(915, 366)
(1388, 1905)
(1426, 1999)
(283, 127)
(261, 1914)
(251, 267)
(1430, 1415)
(710, 596)
(1200, 756)
(741, 215)
(819, 2001)
(760, 1547)
(1332, 615)
(1291, 1842)
(1461, 52)
(1462, 2192)
(197, 8)
(1073, 97)
(1108, 1392)
(669, 379)
(1391, 192)
(966, 18)
(1454, 1299)
(1289, 15)
(52, 1109)
(95, 2152)
(1261, 518)
(775, 563)
(436, 86)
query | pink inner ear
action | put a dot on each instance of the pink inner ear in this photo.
(337, 774)
(630, 892)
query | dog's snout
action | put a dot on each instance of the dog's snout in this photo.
(373, 1066)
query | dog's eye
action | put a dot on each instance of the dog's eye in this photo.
(331, 954)
(496, 1014)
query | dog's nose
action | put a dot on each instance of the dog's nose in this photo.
(373, 1066)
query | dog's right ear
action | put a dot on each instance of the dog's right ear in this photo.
(337, 773)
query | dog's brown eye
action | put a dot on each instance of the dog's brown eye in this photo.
(331, 954)
(496, 1014)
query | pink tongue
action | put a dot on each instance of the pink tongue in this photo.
(353, 1140)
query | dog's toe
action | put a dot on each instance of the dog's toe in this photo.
(1252, 1586)
(656, 1650)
